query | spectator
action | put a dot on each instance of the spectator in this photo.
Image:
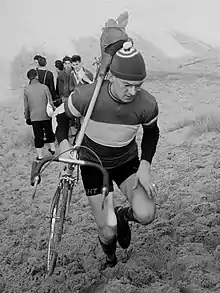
(59, 68)
(59, 65)
(63, 91)
(36, 58)
(63, 81)
(46, 76)
(79, 74)
(36, 97)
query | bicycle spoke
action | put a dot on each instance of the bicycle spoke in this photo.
(51, 253)
(69, 201)
(51, 249)
(56, 226)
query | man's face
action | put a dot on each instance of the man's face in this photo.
(76, 65)
(67, 65)
(125, 90)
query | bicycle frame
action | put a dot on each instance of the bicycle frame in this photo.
(35, 174)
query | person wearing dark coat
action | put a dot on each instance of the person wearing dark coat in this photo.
(45, 76)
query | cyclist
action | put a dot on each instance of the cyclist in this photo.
(122, 106)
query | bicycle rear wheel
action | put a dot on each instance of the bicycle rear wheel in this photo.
(58, 210)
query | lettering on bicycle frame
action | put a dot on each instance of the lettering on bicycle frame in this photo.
(91, 191)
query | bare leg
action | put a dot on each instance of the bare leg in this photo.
(52, 146)
(143, 208)
(107, 223)
(39, 153)
(106, 218)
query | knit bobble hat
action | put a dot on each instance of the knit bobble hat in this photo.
(128, 63)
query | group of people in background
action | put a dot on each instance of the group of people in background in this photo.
(123, 106)
(43, 89)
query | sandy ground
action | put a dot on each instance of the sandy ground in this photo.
(180, 250)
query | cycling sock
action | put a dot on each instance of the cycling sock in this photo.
(52, 147)
(129, 215)
(110, 248)
(39, 153)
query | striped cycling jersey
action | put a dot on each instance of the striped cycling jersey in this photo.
(113, 125)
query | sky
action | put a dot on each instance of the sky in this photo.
(55, 23)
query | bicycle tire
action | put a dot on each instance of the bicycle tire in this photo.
(58, 229)
(51, 251)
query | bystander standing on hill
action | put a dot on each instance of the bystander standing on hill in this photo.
(59, 69)
(58, 65)
(79, 75)
(63, 90)
(36, 97)
(36, 58)
(63, 80)
(45, 76)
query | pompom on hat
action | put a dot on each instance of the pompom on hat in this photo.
(128, 63)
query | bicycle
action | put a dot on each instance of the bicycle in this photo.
(66, 185)
(60, 205)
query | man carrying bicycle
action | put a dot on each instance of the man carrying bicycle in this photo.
(122, 106)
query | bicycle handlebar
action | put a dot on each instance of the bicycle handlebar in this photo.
(36, 168)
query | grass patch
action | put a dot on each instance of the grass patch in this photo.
(204, 123)
(181, 124)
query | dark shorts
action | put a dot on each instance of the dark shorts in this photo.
(92, 178)
(62, 130)
(41, 127)
(63, 125)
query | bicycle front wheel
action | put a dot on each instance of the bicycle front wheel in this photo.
(58, 210)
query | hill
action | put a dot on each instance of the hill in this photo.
(180, 249)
